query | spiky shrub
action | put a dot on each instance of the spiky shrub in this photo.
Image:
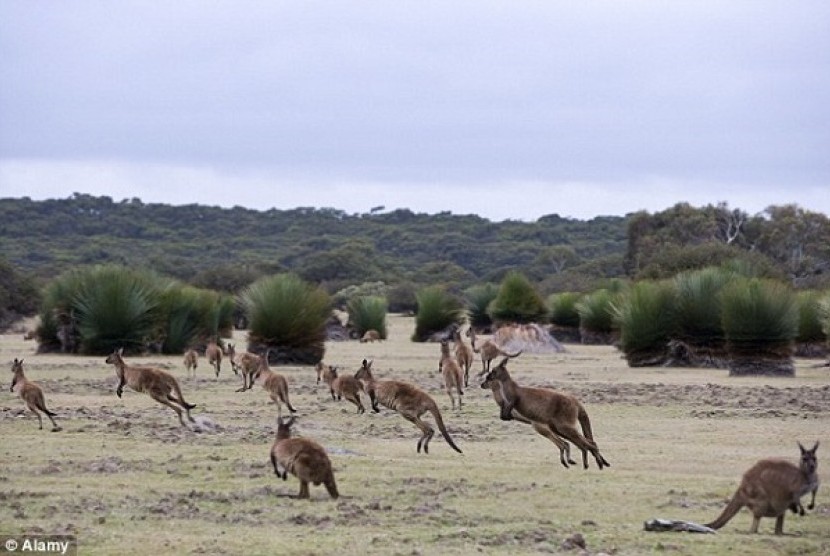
(56, 310)
(811, 340)
(646, 318)
(699, 316)
(563, 316)
(478, 299)
(368, 313)
(517, 301)
(760, 319)
(437, 311)
(288, 316)
(115, 308)
(191, 316)
(596, 321)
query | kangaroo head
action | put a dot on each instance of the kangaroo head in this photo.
(499, 372)
(284, 427)
(365, 370)
(445, 347)
(230, 351)
(17, 366)
(114, 358)
(809, 461)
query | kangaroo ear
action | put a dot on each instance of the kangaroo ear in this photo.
(813, 450)
(121, 351)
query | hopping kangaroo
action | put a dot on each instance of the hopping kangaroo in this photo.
(453, 377)
(149, 380)
(191, 360)
(303, 458)
(559, 411)
(408, 400)
(464, 356)
(541, 428)
(489, 350)
(244, 364)
(214, 356)
(31, 394)
(345, 386)
(770, 487)
(273, 383)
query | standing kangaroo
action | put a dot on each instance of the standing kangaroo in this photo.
(31, 394)
(345, 386)
(772, 486)
(489, 350)
(191, 361)
(214, 356)
(464, 356)
(451, 371)
(559, 411)
(303, 458)
(274, 383)
(155, 382)
(541, 428)
(408, 400)
(244, 364)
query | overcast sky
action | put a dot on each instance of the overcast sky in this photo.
(509, 110)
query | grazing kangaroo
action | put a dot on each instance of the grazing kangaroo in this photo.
(149, 380)
(408, 400)
(191, 361)
(541, 428)
(345, 386)
(770, 487)
(559, 411)
(371, 336)
(31, 394)
(464, 356)
(303, 458)
(214, 356)
(244, 364)
(489, 350)
(272, 382)
(453, 377)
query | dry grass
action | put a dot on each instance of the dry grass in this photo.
(126, 478)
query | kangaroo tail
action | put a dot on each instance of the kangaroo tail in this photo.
(511, 356)
(331, 486)
(440, 422)
(41, 406)
(178, 390)
(585, 422)
(728, 513)
(274, 463)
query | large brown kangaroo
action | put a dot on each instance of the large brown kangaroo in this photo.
(559, 411)
(772, 486)
(489, 350)
(303, 458)
(451, 371)
(155, 382)
(408, 400)
(31, 394)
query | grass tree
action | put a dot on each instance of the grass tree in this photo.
(596, 319)
(517, 301)
(701, 340)
(563, 316)
(478, 299)
(288, 316)
(192, 316)
(760, 319)
(646, 318)
(438, 310)
(368, 313)
(811, 340)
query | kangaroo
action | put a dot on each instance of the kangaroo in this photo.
(155, 382)
(559, 411)
(31, 394)
(489, 350)
(464, 356)
(541, 428)
(303, 458)
(341, 386)
(370, 336)
(214, 356)
(453, 377)
(408, 400)
(272, 382)
(770, 487)
(243, 364)
(191, 361)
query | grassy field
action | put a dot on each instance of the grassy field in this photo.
(127, 479)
